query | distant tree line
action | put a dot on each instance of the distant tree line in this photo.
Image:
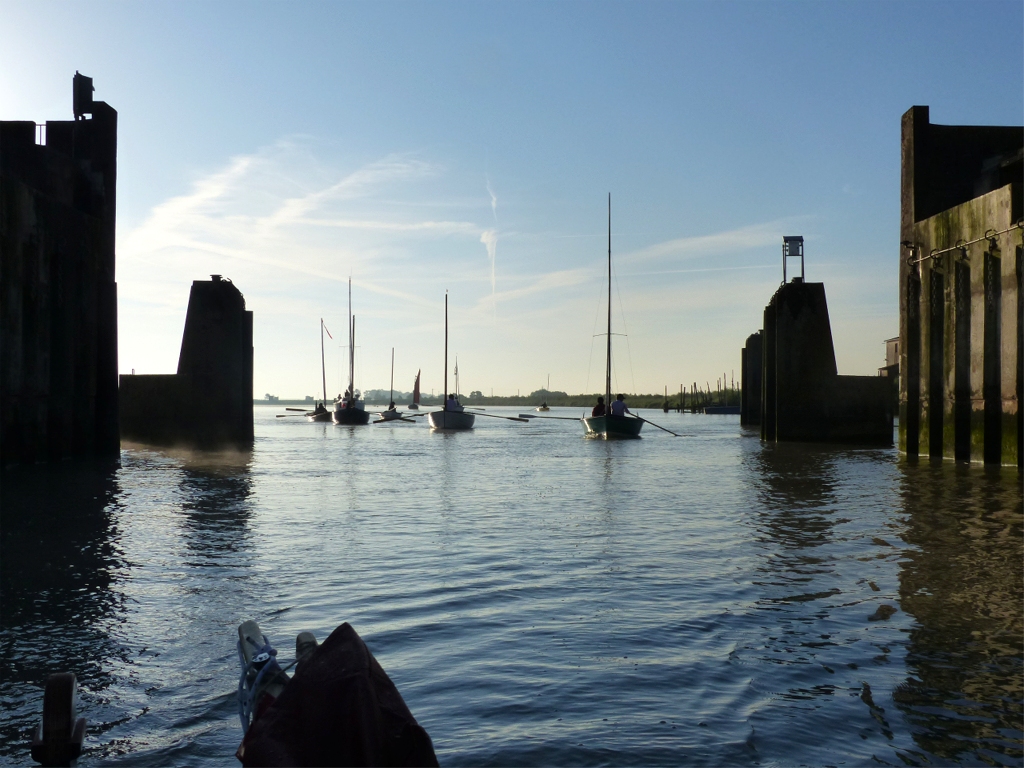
(728, 396)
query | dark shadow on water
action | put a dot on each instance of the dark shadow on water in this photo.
(60, 563)
(962, 582)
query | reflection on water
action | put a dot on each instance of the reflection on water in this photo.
(61, 561)
(117, 573)
(796, 488)
(215, 490)
(962, 582)
(539, 598)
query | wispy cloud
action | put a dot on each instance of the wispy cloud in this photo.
(731, 241)
(551, 281)
(249, 213)
(439, 227)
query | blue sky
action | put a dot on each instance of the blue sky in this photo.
(469, 147)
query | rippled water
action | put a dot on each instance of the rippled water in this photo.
(538, 598)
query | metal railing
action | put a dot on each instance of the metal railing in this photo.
(960, 245)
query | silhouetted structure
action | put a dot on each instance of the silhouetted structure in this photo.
(750, 378)
(960, 283)
(891, 371)
(208, 403)
(802, 395)
(58, 311)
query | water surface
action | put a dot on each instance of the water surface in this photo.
(537, 597)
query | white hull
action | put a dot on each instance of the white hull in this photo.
(451, 420)
(390, 415)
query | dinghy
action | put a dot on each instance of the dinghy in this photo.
(392, 413)
(607, 426)
(350, 409)
(320, 413)
(453, 416)
(415, 404)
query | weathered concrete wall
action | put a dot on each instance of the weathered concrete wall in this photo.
(58, 298)
(804, 398)
(750, 386)
(960, 284)
(969, 370)
(208, 402)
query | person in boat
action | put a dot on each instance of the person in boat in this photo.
(451, 404)
(619, 407)
(320, 408)
(599, 408)
(392, 406)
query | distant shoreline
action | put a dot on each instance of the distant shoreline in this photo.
(559, 400)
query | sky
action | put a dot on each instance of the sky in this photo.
(467, 147)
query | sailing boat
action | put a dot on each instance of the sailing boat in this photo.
(320, 413)
(608, 426)
(544, 406)
(415, 404)
(453, 416)
(392, 413)
(351, 409)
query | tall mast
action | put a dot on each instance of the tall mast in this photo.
(392, 398)
(351, 345)
(323, 366)
(445, 347)
(608, 357)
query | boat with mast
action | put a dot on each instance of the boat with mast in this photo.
(452, 416)
(415, 404)
(350, 409)
(547, 391)
(392, 413)
(608, 426)
(320, 412)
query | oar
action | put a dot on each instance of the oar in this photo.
(304, 410)
(531, 416)
(495, 416)
(286, 415)
(655, 425)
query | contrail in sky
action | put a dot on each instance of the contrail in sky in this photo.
(494, 200)
(490, 239)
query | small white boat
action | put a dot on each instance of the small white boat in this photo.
(452, 419)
